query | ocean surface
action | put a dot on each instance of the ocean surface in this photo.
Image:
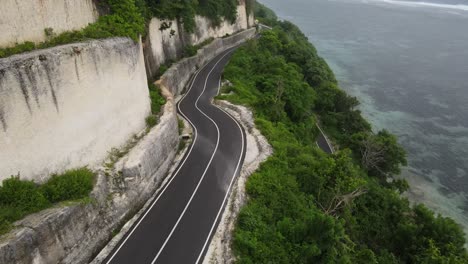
(407, 62)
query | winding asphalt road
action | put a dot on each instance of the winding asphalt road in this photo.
(180, 222)
(323, 143)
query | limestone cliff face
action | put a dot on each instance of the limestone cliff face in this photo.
(74, 234)
(167, 38)
(22, 21)
(66, 107)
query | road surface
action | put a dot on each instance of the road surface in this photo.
(323, 143)
(180, 222)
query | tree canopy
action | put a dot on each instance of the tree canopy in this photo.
(309, 207)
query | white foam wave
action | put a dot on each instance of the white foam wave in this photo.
(425, 4)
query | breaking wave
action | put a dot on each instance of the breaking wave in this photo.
(425, 4)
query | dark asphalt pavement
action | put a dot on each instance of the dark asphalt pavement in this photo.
(323, 143)
(178, 226)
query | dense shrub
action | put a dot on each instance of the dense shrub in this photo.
(22, 195)
(19, 198)
(190, 51)
(71, 185)
(308, 207)
(157, 100)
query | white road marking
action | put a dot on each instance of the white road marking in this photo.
(230, 185)
(174, 175)
(219, 85)
(326, 139)
(206, 169)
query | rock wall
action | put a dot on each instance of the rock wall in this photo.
(66, 107)
(76, 233)
(167, 38)
(22, 21)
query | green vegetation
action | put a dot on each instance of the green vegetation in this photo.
(157, 101)
(309, 207)
(19, 198)
(183, 141)
(125, 20)
(180, 125)
(128, 18)
(191, 50)
(184, 11)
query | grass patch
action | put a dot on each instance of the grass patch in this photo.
(182, 145)
(180, 125)
(19, 198)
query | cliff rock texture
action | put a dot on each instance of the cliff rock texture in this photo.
(26, 20)
(76, 233)
(73, 234)
(67, 106)
(167, 38)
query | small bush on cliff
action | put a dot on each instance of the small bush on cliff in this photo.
(19, 198)
(74, 184)
(23, 196)
(191, 50)
(157, 100)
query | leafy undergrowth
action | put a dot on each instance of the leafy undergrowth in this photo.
(308, 207)
(19, 198)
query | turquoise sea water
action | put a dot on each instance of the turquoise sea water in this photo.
(407, 62)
